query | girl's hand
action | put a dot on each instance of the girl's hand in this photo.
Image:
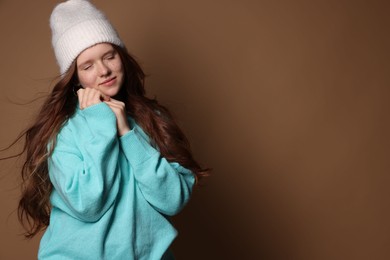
(121, 117)
(90, 96)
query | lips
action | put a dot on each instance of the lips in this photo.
(109, 81)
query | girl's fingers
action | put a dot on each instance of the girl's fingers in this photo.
(116, 101)
(104, 97)
(113, 106)
(80, 95)
(89, 97)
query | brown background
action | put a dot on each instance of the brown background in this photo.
(286, 100)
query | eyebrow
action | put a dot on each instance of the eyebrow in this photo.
(110, 52)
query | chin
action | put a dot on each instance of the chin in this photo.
(111, 92)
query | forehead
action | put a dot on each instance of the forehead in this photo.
(93, 52)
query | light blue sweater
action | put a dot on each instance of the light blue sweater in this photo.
(111, 194)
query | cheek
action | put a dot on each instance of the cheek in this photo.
(117, 66)
(86, 79)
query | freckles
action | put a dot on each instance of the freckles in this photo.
(116, 66)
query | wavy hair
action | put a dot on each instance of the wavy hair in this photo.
(156, 120)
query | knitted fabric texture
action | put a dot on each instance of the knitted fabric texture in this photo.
(77, 25)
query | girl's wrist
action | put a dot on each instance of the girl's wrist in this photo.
(124, 131)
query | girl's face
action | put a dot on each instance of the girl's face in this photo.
(100, 67)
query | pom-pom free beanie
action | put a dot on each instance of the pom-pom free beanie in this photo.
(77, 25)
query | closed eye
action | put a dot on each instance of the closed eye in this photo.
(87, 67)
(110, 55)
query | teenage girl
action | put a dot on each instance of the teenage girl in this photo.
(106, 166)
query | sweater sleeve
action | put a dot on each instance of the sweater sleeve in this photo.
(166, 186)
(83, 167)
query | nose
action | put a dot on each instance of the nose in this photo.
(104, 69)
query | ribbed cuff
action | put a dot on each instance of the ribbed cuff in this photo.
(136, 149)
(100, 118)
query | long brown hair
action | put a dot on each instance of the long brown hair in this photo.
(155, 119)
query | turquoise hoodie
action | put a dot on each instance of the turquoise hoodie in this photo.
(112, 196)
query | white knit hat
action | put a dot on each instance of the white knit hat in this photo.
(77, 25)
